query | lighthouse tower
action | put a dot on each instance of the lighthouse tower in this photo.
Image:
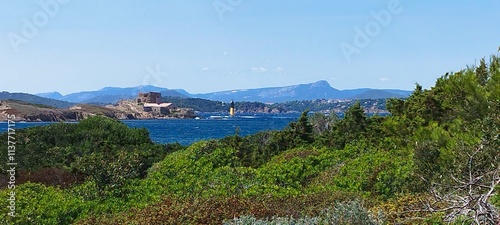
(231, 109)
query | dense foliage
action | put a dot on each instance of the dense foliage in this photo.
(434, 160)
(100, 149)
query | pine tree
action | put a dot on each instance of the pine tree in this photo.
(302, 130)
(482, 73)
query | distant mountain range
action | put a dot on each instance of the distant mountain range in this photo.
(109, 94)
(33, 99)
(311, 91)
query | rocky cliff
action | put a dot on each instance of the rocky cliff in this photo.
(125, 109)
(39, 113)
(132, 108)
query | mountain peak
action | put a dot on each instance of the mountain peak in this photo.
(52, 95)
(321, 83)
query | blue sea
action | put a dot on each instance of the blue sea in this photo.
(188, 131)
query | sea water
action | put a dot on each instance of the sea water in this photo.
(188, 131)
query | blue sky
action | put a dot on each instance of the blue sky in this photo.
(204, 46)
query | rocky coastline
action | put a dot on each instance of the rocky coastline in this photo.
(122, 111)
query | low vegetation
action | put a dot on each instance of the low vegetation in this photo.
(433, 160)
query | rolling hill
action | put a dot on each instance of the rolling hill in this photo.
(34, 99)
(109, 95)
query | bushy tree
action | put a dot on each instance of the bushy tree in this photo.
(301, 131)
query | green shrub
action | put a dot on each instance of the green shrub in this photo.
(352, 213)
(37, 204)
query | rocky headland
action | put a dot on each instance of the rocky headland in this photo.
(124, 110)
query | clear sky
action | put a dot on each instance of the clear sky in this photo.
(203, 46)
